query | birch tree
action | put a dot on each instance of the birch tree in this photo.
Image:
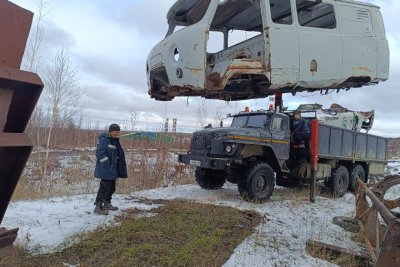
(31, 63)
(201, 114)
(32, 51)
(62, 90)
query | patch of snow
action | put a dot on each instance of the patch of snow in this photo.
(47, 224)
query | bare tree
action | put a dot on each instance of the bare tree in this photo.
(79, 126)
(62, 90)
(32, 51)
(218, 115)
(31, 63)
(201, 114)
(132, 120)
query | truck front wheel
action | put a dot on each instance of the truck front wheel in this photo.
(258, 183)
(210, 179)
(339, 181)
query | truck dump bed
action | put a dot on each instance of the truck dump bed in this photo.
(339, 143)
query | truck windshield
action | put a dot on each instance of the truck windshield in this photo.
(251, 121)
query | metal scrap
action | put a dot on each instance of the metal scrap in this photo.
(19, 93)
(379, 224)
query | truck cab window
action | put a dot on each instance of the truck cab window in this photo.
(239, 121)
(316, 14)
(279, 123)
(281, 12)
(257, 121)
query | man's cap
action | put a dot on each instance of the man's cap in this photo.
(113, 128)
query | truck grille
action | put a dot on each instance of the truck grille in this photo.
(201, 143)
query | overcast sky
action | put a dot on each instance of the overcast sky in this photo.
(110, 41)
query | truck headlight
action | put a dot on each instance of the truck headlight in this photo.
(228, 148)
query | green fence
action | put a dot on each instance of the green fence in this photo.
(154, 136)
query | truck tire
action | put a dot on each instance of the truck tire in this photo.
(258, 183)
(210, 179)
(339, 181)
(357, 172)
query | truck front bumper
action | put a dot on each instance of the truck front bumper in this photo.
(205, 162)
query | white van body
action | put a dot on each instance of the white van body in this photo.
(289, 46)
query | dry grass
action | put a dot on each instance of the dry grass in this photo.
(340, 257)
(71, 173)
(301, 195)
(181, 234)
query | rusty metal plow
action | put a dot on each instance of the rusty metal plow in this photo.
(379, 220)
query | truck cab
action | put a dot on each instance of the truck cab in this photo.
(258, 140)
(233, 50)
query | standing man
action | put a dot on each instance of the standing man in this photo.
(110, 165)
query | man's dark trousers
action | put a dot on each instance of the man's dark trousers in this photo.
(106, 190)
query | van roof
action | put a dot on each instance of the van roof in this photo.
(186, 12)
(358, 2)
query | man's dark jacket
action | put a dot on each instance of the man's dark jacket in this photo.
(110, 159)
(301, 126)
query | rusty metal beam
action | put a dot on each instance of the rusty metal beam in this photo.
(14, 140)
(380, 226)
(15, 23)
(19, 93)
(5, 102)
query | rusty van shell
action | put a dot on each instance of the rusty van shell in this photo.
(243, 49)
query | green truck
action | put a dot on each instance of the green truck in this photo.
(257, 152)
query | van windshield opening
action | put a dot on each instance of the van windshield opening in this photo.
(185, 13)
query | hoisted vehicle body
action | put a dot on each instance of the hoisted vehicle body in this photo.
(289, 46)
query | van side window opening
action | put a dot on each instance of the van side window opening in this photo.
(239, 20)
(281, 12)
(315, 15)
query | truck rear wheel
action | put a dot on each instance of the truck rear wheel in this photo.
(210, 179)
(339, 181)
(357, 172)
(258, 183)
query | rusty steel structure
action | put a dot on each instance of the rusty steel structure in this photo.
(379, 221)
(19, 93)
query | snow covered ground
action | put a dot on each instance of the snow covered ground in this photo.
(280, 240)
(47, 225)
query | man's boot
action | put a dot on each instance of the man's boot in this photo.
(99, 210)
(108, 206)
